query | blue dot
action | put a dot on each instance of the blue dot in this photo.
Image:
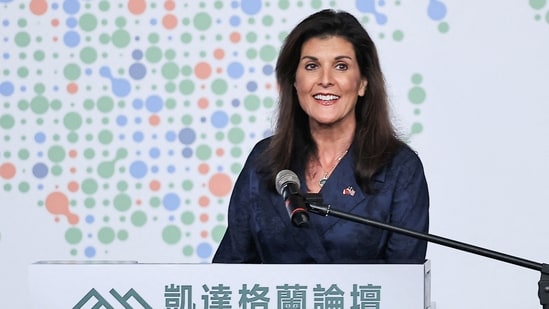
(137, 54)
(220, 119)
(71, 22)
(268, 69)
(171, 201)
(235, 102)
(39, 137)
(235, 70)
(154, 152)
(251, 86)
(187, 136)
(71, 6)
(89, 252)
(6, 88)
(137, 71)
(137, 120)
(6, 56)
(234, 21)
(153, 21)
(138, 169)
(171, 169)
(171, 136)
(251, 7)
(5, 22)
(137, 104)
(234, 4)
(204, 250)
(187, 152)
(55, 6)
(88, 71)
(154, 169)
(138, 136)
(121, 120)
(40, 170)
(90, 219)
(154, 103)
(71, 38)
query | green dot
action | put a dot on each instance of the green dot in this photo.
(104, 5)
(236, 119)
(72, 71)
(104, 38)
(89, 186)
(171, 234)
(187, 217)
(106, 235)
(170, 70)
(251, 37)
(417, 95)
(268, 102)
(120, 22)
(187, 185)
(122, 202)
(23, 72)
(203, 152)
(105, 137)
(251, 53)
(267, 20)
(417, 128)
(186, 38)
(56, 153)
(417, 79)
(139, 218)
(537, 4)
(236, 135)
(219, 86)
(186, 87)
(73, 235)
(87, 22)
(236, 168)
(252, 102)
(23, 154)
(236, 152)
(443, 27)
(155, 202)
(72, 121)
(123, 235)
(88, 55)
(267, 53)
(153, 54)
(7, 121)
(153, 38)
(24, 187)
(398, 35)
(202, 21)
(218, 232)
(22, 39)
(105, 104)
(39, 105)
(188, 251)
(121, 38)
(39, 55)
(56, 170)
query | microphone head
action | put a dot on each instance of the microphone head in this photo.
(283, 178)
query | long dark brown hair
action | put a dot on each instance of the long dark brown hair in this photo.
(375, 140)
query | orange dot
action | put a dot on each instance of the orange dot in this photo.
(72, 88)
(137, 6)
(73, 186)
(235, 37)
(203, 168)
(204, 218)
(220, 184)
(202, 70)
(203, 103)
(7, 170)
(55, 22)
(138, 202)
(38, 7)
(73, 170)
(169, 21)
(204, 201)
(169, 5)
(268, 86)
(204, 234)
(55, 39)
(219, 53)
(219, 70)
(154, 185)
(154, 120)
(219, 152)
(73, 153)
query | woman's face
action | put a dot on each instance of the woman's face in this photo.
(328, 81)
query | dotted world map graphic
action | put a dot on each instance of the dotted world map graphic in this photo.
(119, 117)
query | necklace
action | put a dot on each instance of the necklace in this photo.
(324, 178)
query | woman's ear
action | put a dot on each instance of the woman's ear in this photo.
(362, 87)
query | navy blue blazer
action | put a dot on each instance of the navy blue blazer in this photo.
(260, 231)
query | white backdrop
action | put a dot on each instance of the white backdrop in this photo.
(124, 124)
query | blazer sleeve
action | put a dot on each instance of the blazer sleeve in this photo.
(410, 210)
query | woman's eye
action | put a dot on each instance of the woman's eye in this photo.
(341, 66)
(310, 66)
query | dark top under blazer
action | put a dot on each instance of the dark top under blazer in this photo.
(260, 231)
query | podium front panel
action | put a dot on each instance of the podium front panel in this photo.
(107, 285)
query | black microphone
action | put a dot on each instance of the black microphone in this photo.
(287, 185)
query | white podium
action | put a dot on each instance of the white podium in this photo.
(106, 285)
